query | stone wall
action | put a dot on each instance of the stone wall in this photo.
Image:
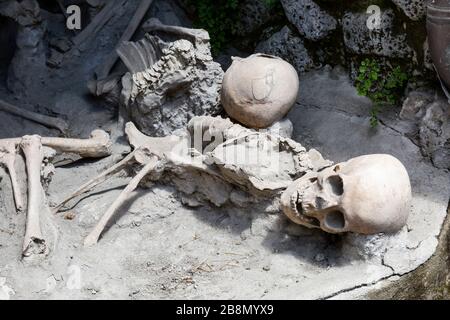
(314, 33)
(320, 32)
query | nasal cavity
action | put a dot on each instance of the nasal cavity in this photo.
(336, 184)
(335, 220)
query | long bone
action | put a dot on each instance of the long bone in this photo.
(97, 146)
(137, 140)
(173, 152)
(149, 152)
(47, 121)
(8, 154)
(97, 180)
(93, 237)
(34, 242)
(162, 147)
(198, 35)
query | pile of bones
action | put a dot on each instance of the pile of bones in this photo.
(368, 194)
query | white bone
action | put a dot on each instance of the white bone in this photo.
(8, 154)
(51, 122)
(97, 180)
(175, 152)
(97, 146)
(368, 194)
(93, 237)
(34, 242)
(198, 35)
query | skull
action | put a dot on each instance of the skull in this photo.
(368, 194)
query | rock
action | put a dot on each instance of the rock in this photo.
(61, 44)
(431, 281)
(28, 66)
(382, 42)
(311, 21)
(414, 9)
(287, 45)
(252, 15)
(414, 105)
(434, 133)
(25, 13)
(431, 120)
(182, 82)
(56, 58)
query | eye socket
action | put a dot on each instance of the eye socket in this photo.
(335, 220)
(336, 185)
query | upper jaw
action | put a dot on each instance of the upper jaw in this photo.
(297, 207)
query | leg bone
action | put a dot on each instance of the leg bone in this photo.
(8, 154)
(97, 180)
(97, 146)
(36, 117)
(34, 242)
(93, 237)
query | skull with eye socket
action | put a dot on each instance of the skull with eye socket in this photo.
(369, 194)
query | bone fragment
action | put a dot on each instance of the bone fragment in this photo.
(51, 122)
(154, 24)
(103, 70)
(8, 154)
(141, 55)
(158, 145)
(97, 146)
(34, 242)
(93, 237)
(97, 180)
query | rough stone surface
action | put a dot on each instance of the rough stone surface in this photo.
(251, 15)
(181, 81)
(28, 66)
(311, 21)
(414, 9)
(287, 45)
(434, 132)
(428, 119)
(382, 42)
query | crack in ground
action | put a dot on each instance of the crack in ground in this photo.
(394, 274)
(383, 123)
